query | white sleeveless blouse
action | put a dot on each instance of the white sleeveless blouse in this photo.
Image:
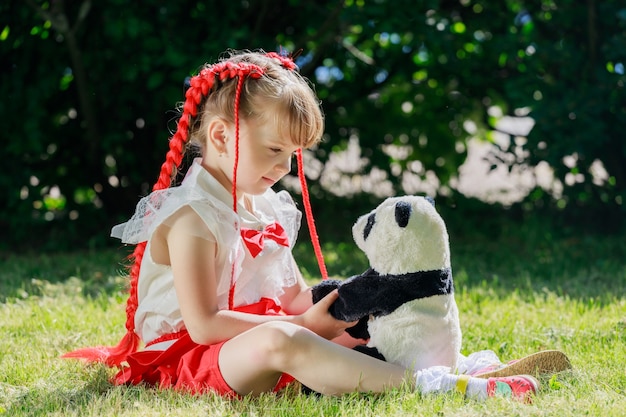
(264, 276)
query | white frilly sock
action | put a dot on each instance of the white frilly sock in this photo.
(435, 379)
(438, 379)
(476, 361)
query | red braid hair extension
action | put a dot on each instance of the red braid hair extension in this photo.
(236, 162)
(231, 291)
(309, 217)
(200, 86)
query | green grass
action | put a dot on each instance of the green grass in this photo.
(516, 295)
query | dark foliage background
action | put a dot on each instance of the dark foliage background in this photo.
(87, 87)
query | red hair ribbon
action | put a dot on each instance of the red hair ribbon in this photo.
(285, 61)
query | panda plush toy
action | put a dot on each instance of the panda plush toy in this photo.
(405, 301)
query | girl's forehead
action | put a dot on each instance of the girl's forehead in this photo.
(271, 126)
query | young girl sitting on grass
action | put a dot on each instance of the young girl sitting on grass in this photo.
(215, 295)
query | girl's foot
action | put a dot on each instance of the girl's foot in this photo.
(438, 379)
(544, 362)
(518, 387)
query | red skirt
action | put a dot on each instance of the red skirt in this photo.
(188, 366)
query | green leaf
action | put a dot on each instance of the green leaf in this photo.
(4, 35)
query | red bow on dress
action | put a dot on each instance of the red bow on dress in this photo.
(253, 238)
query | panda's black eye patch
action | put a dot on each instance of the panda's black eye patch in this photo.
(368, 226)
(403, 213)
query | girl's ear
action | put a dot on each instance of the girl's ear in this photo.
(217, 136)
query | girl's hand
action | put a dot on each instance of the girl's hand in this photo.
(319, 320)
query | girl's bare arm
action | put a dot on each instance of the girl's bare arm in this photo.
(193, 265)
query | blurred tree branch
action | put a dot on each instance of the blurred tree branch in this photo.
(58, 19)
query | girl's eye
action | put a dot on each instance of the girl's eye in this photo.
(276, 150)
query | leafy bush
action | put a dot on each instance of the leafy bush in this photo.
(88, 85)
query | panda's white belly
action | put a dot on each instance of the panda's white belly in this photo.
(420, 333)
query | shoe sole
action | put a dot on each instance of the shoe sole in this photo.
(544, 362)
(534, 381)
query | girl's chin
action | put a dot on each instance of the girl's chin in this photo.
(259, 189)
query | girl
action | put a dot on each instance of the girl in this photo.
(216, 295)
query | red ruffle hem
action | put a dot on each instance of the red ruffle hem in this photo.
(188, 366)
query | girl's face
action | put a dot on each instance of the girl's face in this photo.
(264, 156)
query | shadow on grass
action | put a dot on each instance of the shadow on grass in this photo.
(591, 268)
(44, 399)
(102, 271)
(529, 260)
(89, 392)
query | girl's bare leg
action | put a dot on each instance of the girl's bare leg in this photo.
(253, 361)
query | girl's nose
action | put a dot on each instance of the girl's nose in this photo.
(284, 166)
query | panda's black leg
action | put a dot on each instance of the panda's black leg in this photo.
(370, 351)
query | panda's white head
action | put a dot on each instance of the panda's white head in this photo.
(402, 235)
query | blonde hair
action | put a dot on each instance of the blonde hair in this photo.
(297, 112)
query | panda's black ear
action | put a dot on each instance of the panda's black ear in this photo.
(403, 213)
(430, 200)
(368, 226)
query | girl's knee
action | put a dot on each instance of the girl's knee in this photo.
(280, 342)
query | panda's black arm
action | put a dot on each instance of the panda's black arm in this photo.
(372, 293)
(361, 295)
(340, 307)
(324, 288)
(365, 294)
(321, 290)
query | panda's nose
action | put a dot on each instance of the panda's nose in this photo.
(403, 213)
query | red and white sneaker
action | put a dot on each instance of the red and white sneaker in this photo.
(520, 387)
